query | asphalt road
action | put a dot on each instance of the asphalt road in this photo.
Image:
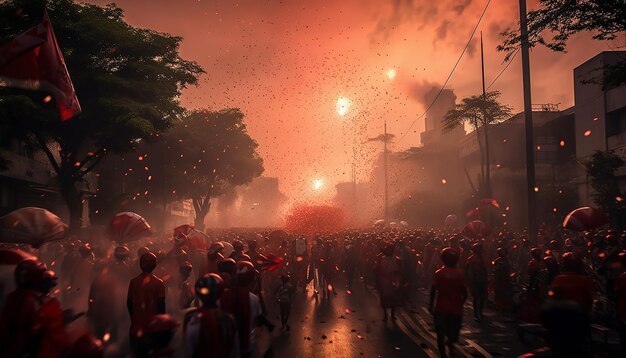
(346, 325)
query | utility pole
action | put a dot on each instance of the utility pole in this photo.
(386, 177)
(528, 122)
(486, 124)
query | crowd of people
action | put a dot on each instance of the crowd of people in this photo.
(167, 298)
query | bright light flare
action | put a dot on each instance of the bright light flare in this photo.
(391, 73)
(318, 184)
(343, 106)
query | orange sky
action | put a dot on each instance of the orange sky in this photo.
(285, 63)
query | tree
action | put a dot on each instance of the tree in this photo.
(479, 111)
(128, 81)
(605, 183)
(204, 156)
(562, 19)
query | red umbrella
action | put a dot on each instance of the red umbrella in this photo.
(14, 256)
(451, 220)
(489, 201)
(476, 228)
(126, 227)
(268, 262)
(183, 229)
(196, 239)
(473, 213)
(585, 218)
(33, 226)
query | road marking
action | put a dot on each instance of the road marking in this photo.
(480, 349)
(412, 336)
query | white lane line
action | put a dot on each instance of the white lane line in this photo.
(480, 349)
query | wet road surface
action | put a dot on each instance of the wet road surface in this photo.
(346, 325)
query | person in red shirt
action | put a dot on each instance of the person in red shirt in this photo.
(146, 298)
(214, 257)
(535, 269)
(19, 326)
(447, 297)
(620, 291)
(243, 305)
(502, 282)
(55, 341)
(476, 272)
(387, 271)
(210, 332)
(160, 331)
(185, 291)
(571, 285)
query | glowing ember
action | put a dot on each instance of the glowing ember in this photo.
(587, 133)
(47, 99)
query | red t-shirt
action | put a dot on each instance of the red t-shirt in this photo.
(450, 286)
(620, 288)
(55, 339)
(144, 291)
(570, 286)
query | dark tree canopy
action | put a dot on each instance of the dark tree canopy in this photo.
(555, 21)
(128, 81)
(204, 156)
(477, 111)
(602, 171)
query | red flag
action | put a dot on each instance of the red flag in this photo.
(33, 60)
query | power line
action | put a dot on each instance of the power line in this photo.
(504, 69)
(451, 72)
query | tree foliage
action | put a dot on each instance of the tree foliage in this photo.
(204, 156)
(561, 19)
(477, 111)
(128, 81)
(602, 169)
(555, 21)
